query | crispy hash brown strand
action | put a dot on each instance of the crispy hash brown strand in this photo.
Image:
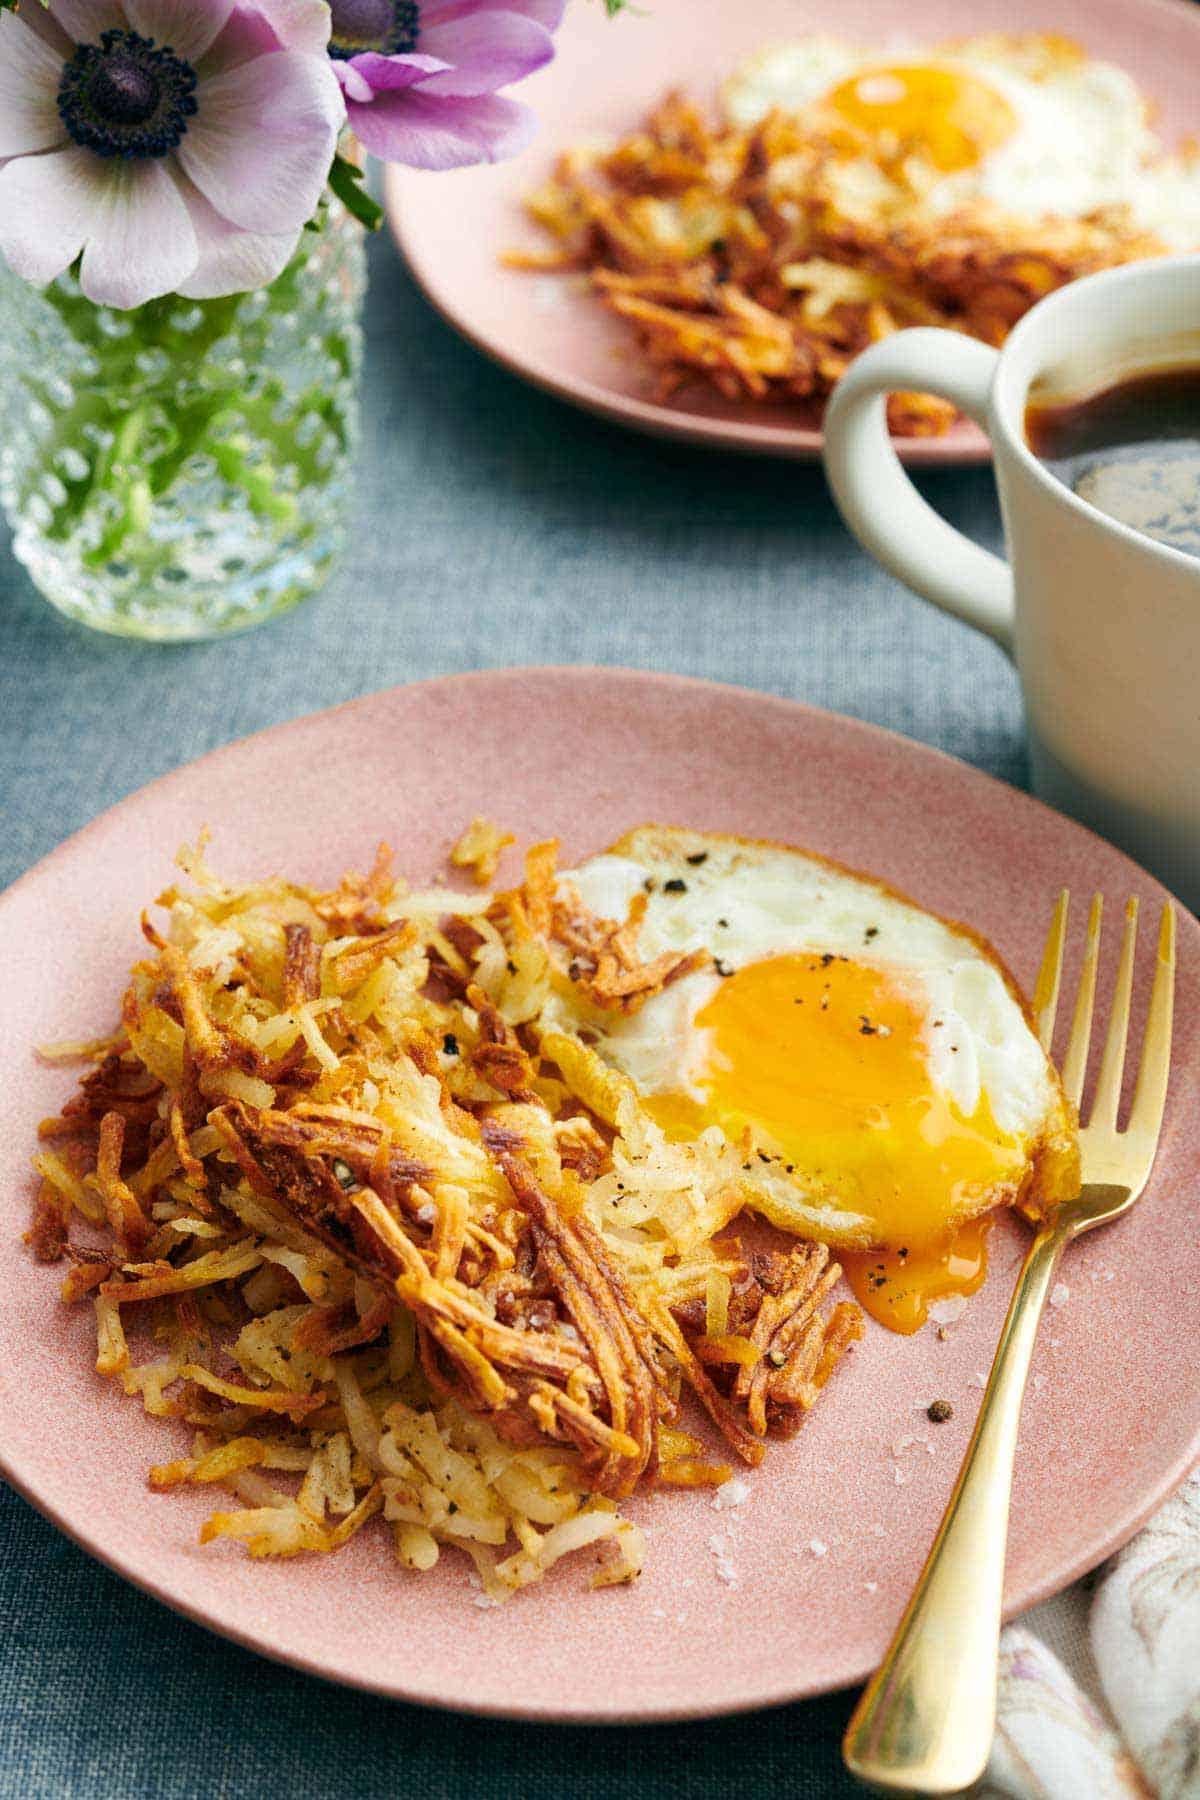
(390, 1253)
(599, 956)
(763, 261)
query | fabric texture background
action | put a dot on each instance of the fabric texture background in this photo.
(495, 526)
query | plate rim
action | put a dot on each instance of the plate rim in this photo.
(620, 671)
(799, 443)
(118, 1560)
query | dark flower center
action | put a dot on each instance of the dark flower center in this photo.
(126, 97)
(390, 27)
(123, 91)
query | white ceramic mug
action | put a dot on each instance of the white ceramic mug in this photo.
(1104, 623)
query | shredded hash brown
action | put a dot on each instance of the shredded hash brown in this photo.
(393, 1250)
(762, 261)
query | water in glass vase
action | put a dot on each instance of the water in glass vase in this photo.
(183, 470)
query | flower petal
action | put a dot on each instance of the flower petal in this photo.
(85, 20)
(30, 72)
(270, 25)
(488, 51)
(46, 207)
(263, 138)
(245, 35)
(431, 133)
(442, 12)
(354, 85)
(376, 74)
(187, 27)
(39, 21)
(298, 24)
(140, 240)
(232, 261)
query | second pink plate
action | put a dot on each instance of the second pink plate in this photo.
(829, 1534)
(454, 228)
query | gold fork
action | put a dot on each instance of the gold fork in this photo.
(924, 1724)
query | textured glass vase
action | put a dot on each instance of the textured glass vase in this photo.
(184, 469)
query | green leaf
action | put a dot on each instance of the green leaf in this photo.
(346, 179)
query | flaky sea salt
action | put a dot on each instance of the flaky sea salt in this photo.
(1059, 1294)
(878, 1531)
(731, 1493)
(978, 1379)
(819, 1547)
(718, 1543)
(871, 1586)
(909, 1442)
(948, 1311)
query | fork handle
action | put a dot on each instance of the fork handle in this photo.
(924, 1724)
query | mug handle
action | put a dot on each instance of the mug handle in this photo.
(877, 500)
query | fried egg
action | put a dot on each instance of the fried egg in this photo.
(875, 1062)
(1030, 123)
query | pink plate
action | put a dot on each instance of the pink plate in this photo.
(828, 1541)
(453, 229)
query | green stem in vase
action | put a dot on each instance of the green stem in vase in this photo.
(118, 474)
(188, 454)
(166, 347)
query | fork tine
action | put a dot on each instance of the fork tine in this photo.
(1045, 994)
(1074, 1068)
(1112, 1063)
(1150, 1094)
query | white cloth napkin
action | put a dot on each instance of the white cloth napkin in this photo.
(1100, 1689)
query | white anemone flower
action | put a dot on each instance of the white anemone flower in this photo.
(173, 146)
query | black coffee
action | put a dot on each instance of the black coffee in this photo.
(1131, 450)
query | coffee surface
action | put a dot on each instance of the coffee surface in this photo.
(1131, 450)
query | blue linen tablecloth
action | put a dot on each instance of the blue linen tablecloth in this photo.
(495, 526)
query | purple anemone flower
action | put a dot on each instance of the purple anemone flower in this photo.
(420, 77)
(175, 146)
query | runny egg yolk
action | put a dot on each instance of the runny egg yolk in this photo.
(898, 1286)
(950, 114)
(826, 1062)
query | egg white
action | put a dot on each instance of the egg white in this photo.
(1082, 141)
(745, 902)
